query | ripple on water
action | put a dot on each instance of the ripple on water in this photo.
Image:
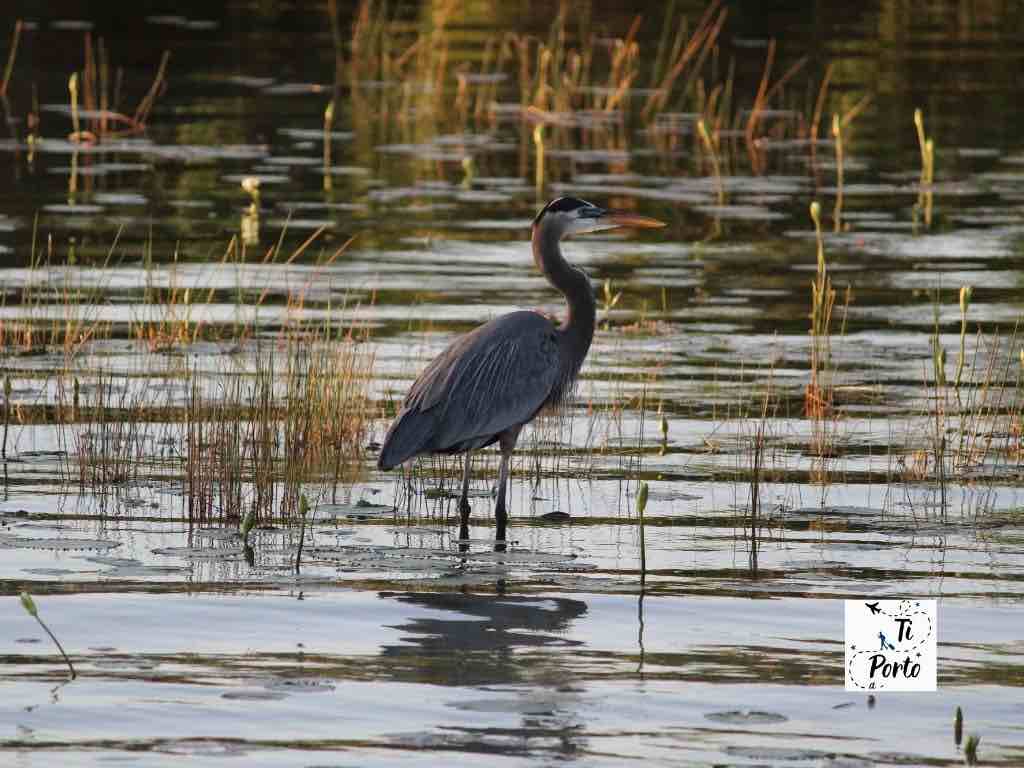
(746, 717)
(314, 134)
(201, 748)
(58, 545)
(776, 753)
(126, 663)
(530, 703)
(741, 212)
(219, 534)
(78, 209)
(200, 553)
(361, 510)
(254, 695)
(300, 685)
(294, 89)
(263, 178)
(120, 198)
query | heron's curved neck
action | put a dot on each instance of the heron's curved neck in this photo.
(574, 285)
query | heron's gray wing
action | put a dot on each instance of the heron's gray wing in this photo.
(493, 378)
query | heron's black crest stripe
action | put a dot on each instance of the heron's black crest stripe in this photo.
(562, 205)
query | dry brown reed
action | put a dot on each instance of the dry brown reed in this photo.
(100, 96)
(572, 88)
(285, 416)
(12, 55)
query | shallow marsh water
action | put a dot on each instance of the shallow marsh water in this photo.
(396, 646)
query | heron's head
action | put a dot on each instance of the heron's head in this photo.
(572, 216)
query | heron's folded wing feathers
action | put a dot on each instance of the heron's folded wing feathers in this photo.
(494, 378)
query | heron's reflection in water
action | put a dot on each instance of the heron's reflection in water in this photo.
(478, 644)
(486, 641)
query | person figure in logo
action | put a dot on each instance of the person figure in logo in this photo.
(885, 643)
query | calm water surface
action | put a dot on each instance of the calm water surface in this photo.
(392, 646)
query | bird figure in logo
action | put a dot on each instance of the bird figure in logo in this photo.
(493, 380)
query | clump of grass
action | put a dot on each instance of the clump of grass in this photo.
(384, 48)
(574, 77)
(38, 329)
(30, 608)
(110, 435)
(988, 407)
(970, 428)
(819, 394)
(94, 87)
(250, 435)
(971, 749)
(251, 452)
(685, 56)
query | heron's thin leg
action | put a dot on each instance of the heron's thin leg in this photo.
(500, 512)
(464, 508)
(507, 442)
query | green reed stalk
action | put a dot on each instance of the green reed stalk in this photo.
(939, 369)
(328, 127)
(926, 146)
(919, 125)
(641, 505)
(965, 302)
(30, 608)
(709, 147)
(73, 92)
(837, 134)
(7, 413)
(822, 300)
(73, 177)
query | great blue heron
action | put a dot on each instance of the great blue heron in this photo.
(495, 379)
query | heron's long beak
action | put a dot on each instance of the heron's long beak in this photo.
(624, 219)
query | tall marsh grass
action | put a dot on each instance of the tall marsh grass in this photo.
(242, 418)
